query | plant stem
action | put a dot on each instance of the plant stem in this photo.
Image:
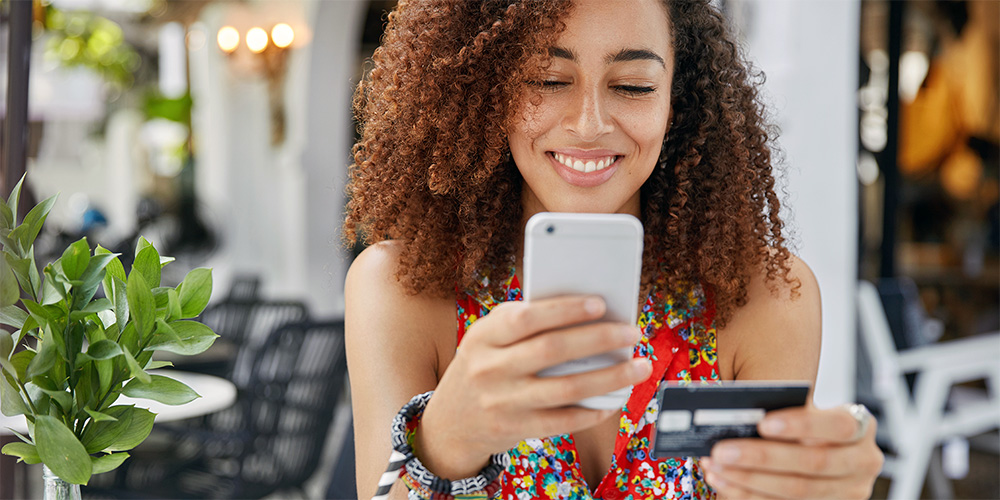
(26, 396)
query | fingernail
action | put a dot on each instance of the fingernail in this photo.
(594, 305)
(714, 480)
(727, 454)
(641, 367)
(772, 425)
(631, 334)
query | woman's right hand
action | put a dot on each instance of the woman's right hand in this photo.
(490, 397)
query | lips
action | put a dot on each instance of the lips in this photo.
(585, 168)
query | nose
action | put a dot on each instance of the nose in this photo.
(587, 115)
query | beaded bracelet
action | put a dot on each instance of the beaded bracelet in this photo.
(422, 484)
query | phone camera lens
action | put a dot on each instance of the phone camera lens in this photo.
(550, 229)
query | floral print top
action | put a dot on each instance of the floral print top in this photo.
(550, 468)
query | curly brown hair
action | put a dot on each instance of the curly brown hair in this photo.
(431, 168)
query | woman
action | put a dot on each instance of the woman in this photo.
(479, 114)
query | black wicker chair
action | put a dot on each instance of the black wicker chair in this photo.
(276, 442)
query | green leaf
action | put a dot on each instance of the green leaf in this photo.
(141, 305)
(108, 463)
(147, 263)
(100, 417)
(21, 360)
(6, 216)
(9, 291)
(113, 270)
(196, 289)
(15, 198)
(134, 367)
(121, 303)
(23, 451)
(61, 451)
(105, 371)
(6, 347)
(75, 259)
(62, 398)
(13, 316)
(25, 234)
(173, 305)
(138, 429)
(164, 260)
(97, 306)
(183, 337)
(163, 389)
(54, 288)
(42, 314)
(141, 245)
(129, 340)
(44, 361)
(25, 271)
(158, 364)
(99, 435)
(11, 402)
(92, 275)
(104, 349)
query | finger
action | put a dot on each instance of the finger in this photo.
(727, 490)
(565, 344)
(555, 421)
(554, 392)
(832, 426)
(784, 457)
(776, 485)
(520, 320)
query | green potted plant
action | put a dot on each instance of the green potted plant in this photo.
(72, 355)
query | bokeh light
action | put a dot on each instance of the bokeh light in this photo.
(228, 39)
(256, 40)
(282, 35)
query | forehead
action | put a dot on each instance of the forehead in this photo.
(616, 24)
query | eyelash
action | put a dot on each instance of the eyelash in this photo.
(630, 90)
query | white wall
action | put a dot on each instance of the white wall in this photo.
(278, 207)
(809, 52)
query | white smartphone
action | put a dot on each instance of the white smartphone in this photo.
(587, 254)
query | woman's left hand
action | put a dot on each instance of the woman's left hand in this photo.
(805, 453)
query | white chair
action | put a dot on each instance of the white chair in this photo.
(916, 424)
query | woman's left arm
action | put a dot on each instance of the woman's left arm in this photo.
(806, 452)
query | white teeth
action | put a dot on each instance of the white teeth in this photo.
(584, 166)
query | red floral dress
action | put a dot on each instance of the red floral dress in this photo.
(549, 468)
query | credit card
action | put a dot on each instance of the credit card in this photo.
(694, 417)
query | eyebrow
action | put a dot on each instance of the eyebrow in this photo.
(623, 55)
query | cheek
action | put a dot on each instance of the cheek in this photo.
(648, 134)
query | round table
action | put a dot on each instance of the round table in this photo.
(216, 394)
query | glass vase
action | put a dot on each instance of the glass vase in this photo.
(56, 488)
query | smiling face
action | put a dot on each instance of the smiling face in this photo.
(590, 130)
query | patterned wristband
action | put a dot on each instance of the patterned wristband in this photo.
(421, 482)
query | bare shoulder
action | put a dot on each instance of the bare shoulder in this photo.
(777, 334)
(380, 310)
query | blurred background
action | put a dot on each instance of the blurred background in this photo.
(221, 131)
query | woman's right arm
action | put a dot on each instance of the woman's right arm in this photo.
(488, 397)
(391, 354)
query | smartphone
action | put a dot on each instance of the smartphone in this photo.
(587, 254)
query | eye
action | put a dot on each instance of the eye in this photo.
(634, 90)
(548, 85)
